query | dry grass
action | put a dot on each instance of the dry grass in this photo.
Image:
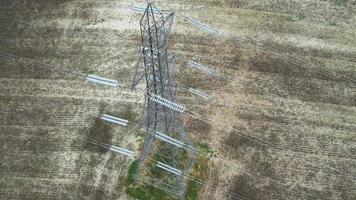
(286, 83)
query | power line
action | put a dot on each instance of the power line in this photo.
(72, 72)
(30, 61)
(306, 149)
(249, 41)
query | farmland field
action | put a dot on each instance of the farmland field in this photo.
(281, 123)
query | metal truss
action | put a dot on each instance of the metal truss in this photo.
(165, 136)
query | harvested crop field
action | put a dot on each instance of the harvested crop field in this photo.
(281, 123)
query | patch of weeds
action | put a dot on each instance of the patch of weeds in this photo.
(341, 2)
(295, 18)
(200, 171)
(142, 192)
(192, 192)
(88, 70)
(131, 173)
(218, 3)
(141, 133)
(148, 192)
(136, 193)
(97, 21)
(93, 21)
(332, 23)
(312, 197)
(205, 149)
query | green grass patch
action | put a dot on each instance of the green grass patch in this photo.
(200, 171)
(205, 149)
(130, 178)
(192, 192)
(193, 187)
(332, 23)
(218, 3)
(142, 192)
(295, 18)
(148, 192)
(88, 70)
(341, 2)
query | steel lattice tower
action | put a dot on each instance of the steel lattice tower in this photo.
(157, 69)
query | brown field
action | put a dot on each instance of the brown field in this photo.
(282, 122)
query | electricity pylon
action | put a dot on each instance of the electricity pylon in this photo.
(167, 155)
